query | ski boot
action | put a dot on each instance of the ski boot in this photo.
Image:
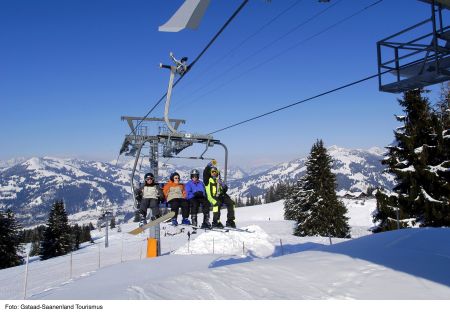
(186, 221)
(143, 222)
(206, 225)
(230, 224)
(194, 220)
(217, 225)
(174, 222)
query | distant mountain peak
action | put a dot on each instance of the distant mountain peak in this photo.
(356, 170)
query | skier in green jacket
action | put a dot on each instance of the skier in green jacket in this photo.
(216, 191)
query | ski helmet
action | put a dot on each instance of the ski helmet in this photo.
(195, 173)
(149, 175)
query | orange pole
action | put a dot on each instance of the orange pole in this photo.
(152, 247)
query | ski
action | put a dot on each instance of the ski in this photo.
(142, 228)
(228, 228)
(225, 229)
(211, 229)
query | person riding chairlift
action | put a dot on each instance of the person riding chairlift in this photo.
(175, 194)
(148, 195)
(196, 196)
(216, 191)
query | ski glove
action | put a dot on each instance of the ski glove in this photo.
(198, 194)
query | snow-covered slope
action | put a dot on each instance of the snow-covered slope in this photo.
(30, 187)
(11, 162)
(269, 263)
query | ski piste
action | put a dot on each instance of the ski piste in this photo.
(142, 228)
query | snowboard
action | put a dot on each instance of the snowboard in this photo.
(142, 228)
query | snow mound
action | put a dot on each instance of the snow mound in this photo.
(257, 243)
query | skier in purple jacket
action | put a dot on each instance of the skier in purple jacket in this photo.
(196, 195)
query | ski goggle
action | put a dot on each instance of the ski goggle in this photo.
(148, 178)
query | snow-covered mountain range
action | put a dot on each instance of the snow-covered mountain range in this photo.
(356, 171)
(30, 186)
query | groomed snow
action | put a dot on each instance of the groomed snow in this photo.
(269, 263)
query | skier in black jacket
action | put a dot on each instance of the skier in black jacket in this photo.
(149, 196)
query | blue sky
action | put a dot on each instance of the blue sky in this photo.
(70, 69)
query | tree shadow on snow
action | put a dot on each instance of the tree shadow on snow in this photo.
(278, 251)
(287, 249)
(220, 262)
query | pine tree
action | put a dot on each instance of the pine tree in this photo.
(112, 224)
(259, 201)
(240, 202)
(86, 231)
(270, 195)
(292, 201)
(10, 244)
(318, 210)
(57, 238)
(418, 195)
(34, 251)
(77, 236)
(437, 209)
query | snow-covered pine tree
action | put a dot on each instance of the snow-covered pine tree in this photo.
(292, 202)
(10, 243)
(57, 238)
(319, 212)
(386, 212)
(409, 160)
(437, 209)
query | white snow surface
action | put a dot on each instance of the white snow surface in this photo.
(268, 263)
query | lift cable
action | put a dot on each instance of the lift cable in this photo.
(257, 52)
(300, 102)
(285, 51)
(193, 63)
(245, 40)
(190, 66)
